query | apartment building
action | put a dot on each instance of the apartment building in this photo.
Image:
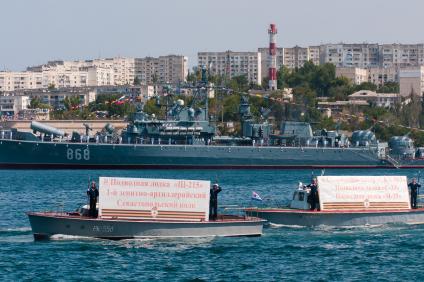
(98, 72)
(376, 75)
(355, 75)
(294, 57)
(231, 64)
(314, 53)
(401, 55)
(265, 63)
(55, 98)
(164, 69)
(381, 75)
(12, 104)
(10, 81)
(411, 80)
(351, 55)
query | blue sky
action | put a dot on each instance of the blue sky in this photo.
(34, 32)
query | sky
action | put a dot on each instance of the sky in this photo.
(34, 32)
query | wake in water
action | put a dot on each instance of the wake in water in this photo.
(166, 244)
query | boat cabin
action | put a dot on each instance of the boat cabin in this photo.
(300, 198)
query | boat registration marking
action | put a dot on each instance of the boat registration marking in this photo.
(103, 228)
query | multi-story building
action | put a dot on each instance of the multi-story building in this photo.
(376, 75)
(164, 69)
(355, 75)
(124, 70)
(380, 75)
(55, 98)
(294, 57)
(10, 81)
(13, 104)
(401, 55)
(231, 64)
(265, 63)
(314, 53)
(411, 80)
(351, 55)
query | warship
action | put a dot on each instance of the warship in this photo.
(187, 138)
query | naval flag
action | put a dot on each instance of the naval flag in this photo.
(255, 196)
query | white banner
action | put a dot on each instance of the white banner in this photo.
(144, 198)
(363, 192)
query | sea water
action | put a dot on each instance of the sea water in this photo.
(368, 253)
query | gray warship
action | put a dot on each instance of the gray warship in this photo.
(187, 139)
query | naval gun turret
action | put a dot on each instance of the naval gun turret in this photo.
(402, 147)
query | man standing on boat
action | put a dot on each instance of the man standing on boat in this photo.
(313, 194)
(213, 201)
(93, 194)
(413, 186)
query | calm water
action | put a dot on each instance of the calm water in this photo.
(384, 253)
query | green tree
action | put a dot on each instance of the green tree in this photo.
(282, 74)
(71, 102)
(36, 103)
(366, 86)
(389, 87)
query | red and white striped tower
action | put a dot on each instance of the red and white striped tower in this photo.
(272, 31)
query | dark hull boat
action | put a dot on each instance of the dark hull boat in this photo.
(347, 201)
(46, 224)
(292, 217)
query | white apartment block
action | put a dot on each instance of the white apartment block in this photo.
(56, 98)
(380, 76)
(11, 104)
(164, 69)
(265, 63)
(355, 75)
(401, 55)
(295, 57)
(98, 72)
(351, 55)
(367, 55)
(231, 64)
(314, 53)
(377, 75)
(411, 80)
(292, 58)
(10, 81)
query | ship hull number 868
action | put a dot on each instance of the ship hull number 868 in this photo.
(78, 154)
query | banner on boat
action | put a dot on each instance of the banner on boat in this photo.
(363, 192)
(161, 199)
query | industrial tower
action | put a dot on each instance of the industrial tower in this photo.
(272, 31)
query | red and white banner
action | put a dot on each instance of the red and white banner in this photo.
(363, 192)
(161, 199)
